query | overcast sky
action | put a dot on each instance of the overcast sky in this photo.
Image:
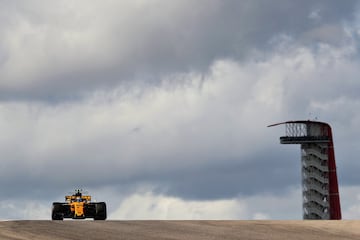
(160, 107)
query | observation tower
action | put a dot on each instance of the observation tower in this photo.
(319, 180)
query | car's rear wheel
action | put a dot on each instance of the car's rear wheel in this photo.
(57, 211)
(100, 211)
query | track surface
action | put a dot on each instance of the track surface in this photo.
(131, 230)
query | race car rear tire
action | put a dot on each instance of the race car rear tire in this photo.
(100, 211)
(57, 211)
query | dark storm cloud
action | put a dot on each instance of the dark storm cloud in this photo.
(59, 52)
(221, 178)
(266, 174)
(171, 96)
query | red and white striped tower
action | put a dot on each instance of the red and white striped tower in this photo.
(320, 185)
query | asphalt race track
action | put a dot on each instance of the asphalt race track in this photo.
(131, 230)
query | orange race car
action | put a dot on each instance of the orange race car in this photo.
(78, 206)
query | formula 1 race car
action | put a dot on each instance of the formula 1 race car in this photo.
(78, 206)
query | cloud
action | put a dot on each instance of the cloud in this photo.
(57, 51)
(150, 206)
(287, 205)
(116, 135)
(350, 198)
(146, 203)
(176, 95)
(211, 128)
(16, 209)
